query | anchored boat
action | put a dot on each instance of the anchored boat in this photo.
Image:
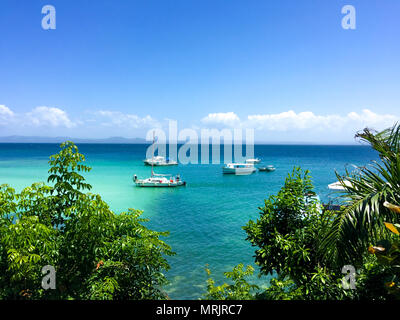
(159, 161)
(338, 185)
(158, 180)
(239, 168)
(256, 160)
(268, 168)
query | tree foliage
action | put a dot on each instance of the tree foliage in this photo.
(287, 237)
(239, 290)
(388, 254)
(97, 254)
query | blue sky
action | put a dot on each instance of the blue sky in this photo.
(118, 68)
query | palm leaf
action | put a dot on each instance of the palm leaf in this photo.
(366, 192)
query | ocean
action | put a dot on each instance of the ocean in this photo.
(204, 218)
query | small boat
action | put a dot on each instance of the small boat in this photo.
(338, 186)
(159, 180)
(239, 168)
(268, 168)
(256, 160)
(159, 161)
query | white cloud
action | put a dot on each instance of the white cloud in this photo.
(116, 118)
(47, 116)
(292, 121)
(6, 115)
(374, 120)
(288, 125)
(228, 119)
(5, 111)
(45, 120)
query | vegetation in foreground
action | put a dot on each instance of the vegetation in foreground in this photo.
(304, 247)
(96, 253)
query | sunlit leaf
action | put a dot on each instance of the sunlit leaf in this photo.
(392, 228)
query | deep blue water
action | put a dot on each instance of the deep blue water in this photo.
(205, 217)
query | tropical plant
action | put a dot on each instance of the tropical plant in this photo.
(366, 190)
(388, 255)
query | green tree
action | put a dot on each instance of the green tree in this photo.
(239, 290)
(97, 254)
(68, 183)
(287, 237)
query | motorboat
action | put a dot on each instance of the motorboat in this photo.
(338, 186)
(256, 160)
(159, 180)
(159, 161)
(239, 168)
(268, 168)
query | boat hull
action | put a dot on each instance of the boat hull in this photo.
(238, 171)
(267, 169)
(160, 164)
(160, 185)
(253, 161)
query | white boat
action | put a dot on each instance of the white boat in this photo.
(256, 160)
(239, 168)
(159, 180)
(159, 161)
(338, 186)
(268, 168)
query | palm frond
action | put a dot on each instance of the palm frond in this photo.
(362, 219)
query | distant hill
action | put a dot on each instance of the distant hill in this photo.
(121, 140)
(24, 139)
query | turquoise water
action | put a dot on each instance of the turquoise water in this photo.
(205, 217)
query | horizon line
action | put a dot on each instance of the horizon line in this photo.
(15, 139)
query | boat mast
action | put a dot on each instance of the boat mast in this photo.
(152, 158)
